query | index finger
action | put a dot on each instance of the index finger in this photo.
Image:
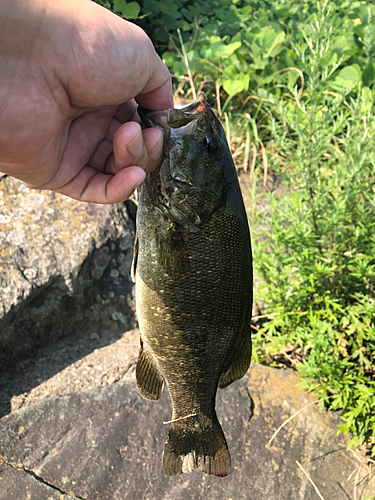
(157, 99)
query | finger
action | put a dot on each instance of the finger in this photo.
(96, 187)
(102, 153)
(123, 51)
(112, 129)
(83, 137)
(132, 146)
(104, 150)
(153, 140)
(127, 112)
(159, 98)
(101, 156)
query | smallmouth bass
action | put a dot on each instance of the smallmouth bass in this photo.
(193, 271)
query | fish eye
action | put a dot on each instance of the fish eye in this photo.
(211, 143)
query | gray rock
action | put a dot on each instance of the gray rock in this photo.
(64, 269)
(21, 484)
(106, 444)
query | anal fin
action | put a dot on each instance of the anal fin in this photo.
(239, 366)
(148, 379)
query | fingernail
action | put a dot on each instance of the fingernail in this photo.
(135, 148)
(140, 182)
(156, 151)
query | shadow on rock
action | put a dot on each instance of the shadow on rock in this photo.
(64, 272)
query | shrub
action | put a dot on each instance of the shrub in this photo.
(317, 256)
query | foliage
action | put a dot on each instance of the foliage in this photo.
(256, 45)
(297, 79)
(317, 259)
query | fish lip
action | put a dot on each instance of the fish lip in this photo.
(178, 118)
(174, 118)
(196, 107)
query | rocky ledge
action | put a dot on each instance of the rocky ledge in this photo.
(106, 443)
(64, 269)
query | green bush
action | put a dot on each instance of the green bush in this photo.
(316, 259)
(256, 46)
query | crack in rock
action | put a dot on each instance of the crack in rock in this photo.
(251, 404)
(41, 480)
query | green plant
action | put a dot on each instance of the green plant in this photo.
(254, 45)
(317, 260)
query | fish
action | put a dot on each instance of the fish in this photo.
(193, 276)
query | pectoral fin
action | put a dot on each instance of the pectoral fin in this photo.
(172, 251)
(148, 379)
(239, 366)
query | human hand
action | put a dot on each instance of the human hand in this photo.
(71, 73)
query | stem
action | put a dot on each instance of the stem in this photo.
(186, 61)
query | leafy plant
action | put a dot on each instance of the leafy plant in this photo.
(317, 261)
(249, 44)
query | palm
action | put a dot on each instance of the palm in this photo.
(94, 146)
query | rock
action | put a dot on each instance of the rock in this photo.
(67, 367)
(64, 269)
(106, 444)
(19, 483)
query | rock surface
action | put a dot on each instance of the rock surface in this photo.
(66, 298)
(70, 365)
(106, 444)
(22, 484)
(64, 269)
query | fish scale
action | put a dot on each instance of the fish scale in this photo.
(193, 273)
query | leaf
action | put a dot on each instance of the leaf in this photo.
(187, 14)
(169, 8)
(224, 51)
(347, 78)
(245, 80)
(271, 42)
(231, 72)
(129, 10)
(342, 45)
(233, 87)
(368, 75)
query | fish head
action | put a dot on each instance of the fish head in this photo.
(192, 178)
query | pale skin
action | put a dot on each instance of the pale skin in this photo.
(71, 76)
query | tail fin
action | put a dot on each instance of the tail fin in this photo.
(196, 442)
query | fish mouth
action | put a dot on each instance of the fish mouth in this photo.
(175, 118)
(198, 106)
(179, 117)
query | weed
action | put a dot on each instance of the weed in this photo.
(317, 259)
